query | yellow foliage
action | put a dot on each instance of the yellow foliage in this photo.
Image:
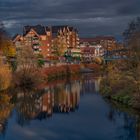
(11, 52)
(98, 60)
(5, 77)
(8, 48)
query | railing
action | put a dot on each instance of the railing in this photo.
(115, 54)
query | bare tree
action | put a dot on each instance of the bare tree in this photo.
(27, 74)
(132, 42)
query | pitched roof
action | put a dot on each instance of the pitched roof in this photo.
(16, 37)
(13, 38)
(39, 29)
(56, 29)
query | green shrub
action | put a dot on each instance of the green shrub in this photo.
(41, 62)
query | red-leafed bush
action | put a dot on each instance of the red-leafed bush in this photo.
(95, 67)
(60, 71)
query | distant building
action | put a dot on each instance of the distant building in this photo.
(108, 42)
(100, 45)
(88, 53)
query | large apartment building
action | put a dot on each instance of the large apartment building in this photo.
(64, 38)
(46, 40)
(37, 37)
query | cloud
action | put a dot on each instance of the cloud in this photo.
(90, 16)
(9, 24)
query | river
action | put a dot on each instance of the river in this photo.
(70, 109)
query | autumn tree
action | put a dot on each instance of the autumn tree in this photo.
(5, 71)
(122, 82)
(132, 42)
(28, 74)
(6, 46)
(26, 58)
(59, 46)
(55, 48)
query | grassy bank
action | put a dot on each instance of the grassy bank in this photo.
(121, 85)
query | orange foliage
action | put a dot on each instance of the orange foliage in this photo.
(74, 69)
(95, 67)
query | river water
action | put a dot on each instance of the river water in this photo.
(66, 110)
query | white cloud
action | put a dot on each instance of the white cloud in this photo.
(9, 23)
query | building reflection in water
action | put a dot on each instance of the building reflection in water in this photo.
(62, 98)
(90, 84)
(57, 98)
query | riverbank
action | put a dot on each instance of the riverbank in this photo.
(56, 72)
(31, 76)
(121, 85)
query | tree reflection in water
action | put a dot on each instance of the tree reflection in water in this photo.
(27, 106)
(130, 124)
(138, 129)
(5, 110)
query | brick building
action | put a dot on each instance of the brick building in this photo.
(65, 38)
(46, 40)
(101, 44)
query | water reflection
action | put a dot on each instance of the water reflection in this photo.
(131, 121)
(5, 111)
(56, 98)
(79, 96)
(27, 106)
(138, 130)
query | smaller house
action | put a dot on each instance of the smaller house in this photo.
(88, 53)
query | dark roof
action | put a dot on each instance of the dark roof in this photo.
(16, 37)
(41, 30)
(13, 38)
(88, 40)
(88, 49)
(97, 39)
(105, 37)
(56, 29)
